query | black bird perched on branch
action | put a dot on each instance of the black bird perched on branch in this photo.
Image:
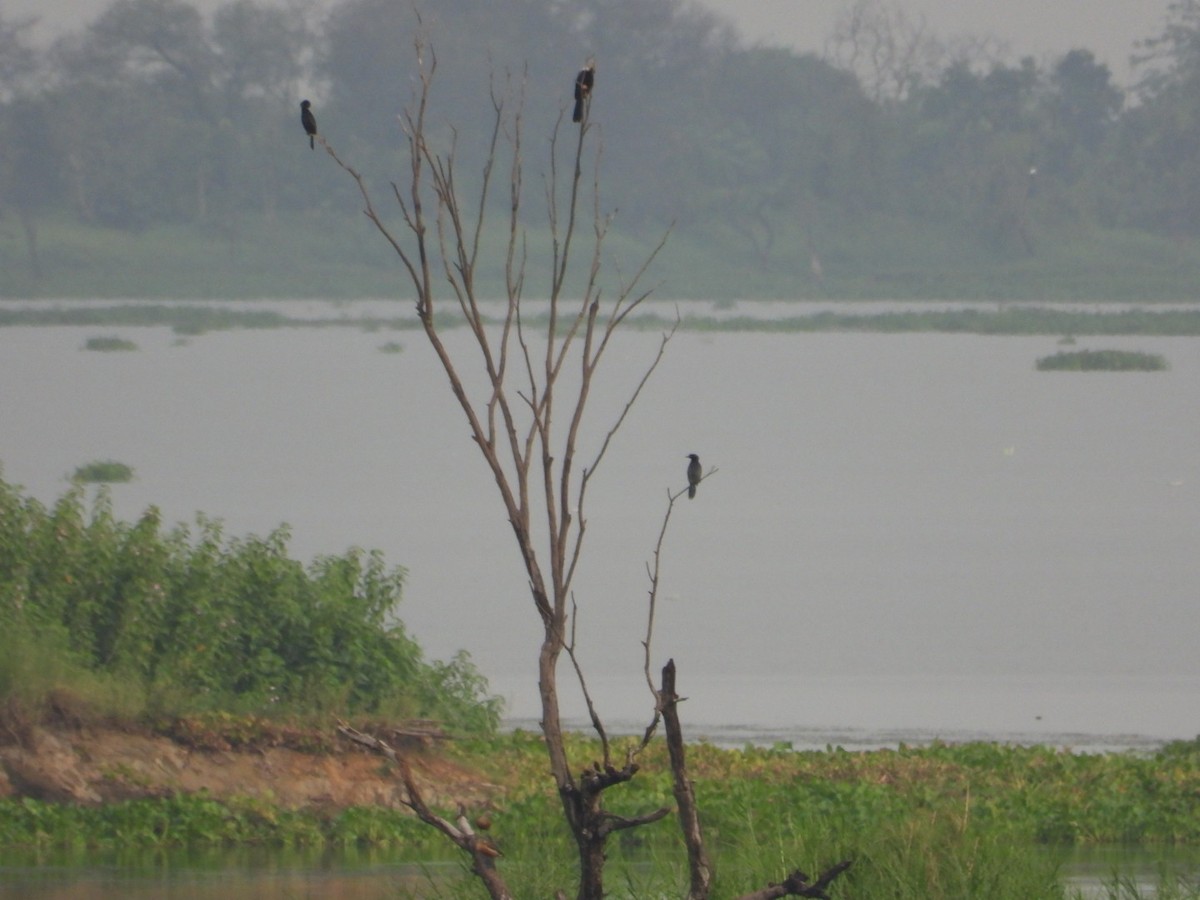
(694, 473)
(309, 121)
(584, 82)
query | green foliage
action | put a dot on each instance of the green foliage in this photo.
(865, 257)
(944, 856)
(105, 471)
(1181, 749)
(1102, 361)
(108, 344)
(1167, 887)
(1030, 794)
(193, 820)
(199, 621)
(944, 822)
(40, 679)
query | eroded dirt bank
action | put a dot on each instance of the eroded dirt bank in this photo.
(294, 769)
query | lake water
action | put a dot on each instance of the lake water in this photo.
(909, 536)
(259, 874)
(350, 875)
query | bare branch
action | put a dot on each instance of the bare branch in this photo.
(620, 312)
(616, 426)
(654, 573)
(588, 472)
(597, 724)
(370, 212)
(482, 851)
(613, 822)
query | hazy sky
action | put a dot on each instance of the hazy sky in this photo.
(1109, 28)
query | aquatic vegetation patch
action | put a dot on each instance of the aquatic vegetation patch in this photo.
(1102, 361)
(109, 344)
(104, 471)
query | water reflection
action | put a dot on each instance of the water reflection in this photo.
(349, 874)
(260, 874)
(1100, 873)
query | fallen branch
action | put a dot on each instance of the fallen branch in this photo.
(797, 885)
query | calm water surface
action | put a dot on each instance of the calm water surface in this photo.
(291, 875)
(222, 875)
(909, 535)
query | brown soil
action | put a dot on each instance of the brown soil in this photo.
(98, 764)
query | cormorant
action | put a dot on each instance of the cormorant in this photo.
(584, 82)
(309, 121)
(694, 473)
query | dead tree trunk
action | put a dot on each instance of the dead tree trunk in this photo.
(699, 866)
(527, 432)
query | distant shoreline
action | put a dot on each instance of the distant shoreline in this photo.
(196, 317)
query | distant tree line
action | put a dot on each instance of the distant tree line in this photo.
(156, 113)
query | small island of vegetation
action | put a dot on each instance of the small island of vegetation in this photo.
(1102, 361)
(103, 471)
(109, 344)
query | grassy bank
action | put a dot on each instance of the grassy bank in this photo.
(969, 821)
(341, 257)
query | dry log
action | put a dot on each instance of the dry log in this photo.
(797, 885)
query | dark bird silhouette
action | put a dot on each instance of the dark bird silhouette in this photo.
(584, 82)
(309, 121)
(694, 473)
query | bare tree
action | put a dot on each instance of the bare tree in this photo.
(538, 363)
(893, 55)
(889, 52)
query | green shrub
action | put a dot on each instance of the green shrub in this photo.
(199, 621)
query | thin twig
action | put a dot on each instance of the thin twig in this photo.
(654, 573)
(597, 724)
